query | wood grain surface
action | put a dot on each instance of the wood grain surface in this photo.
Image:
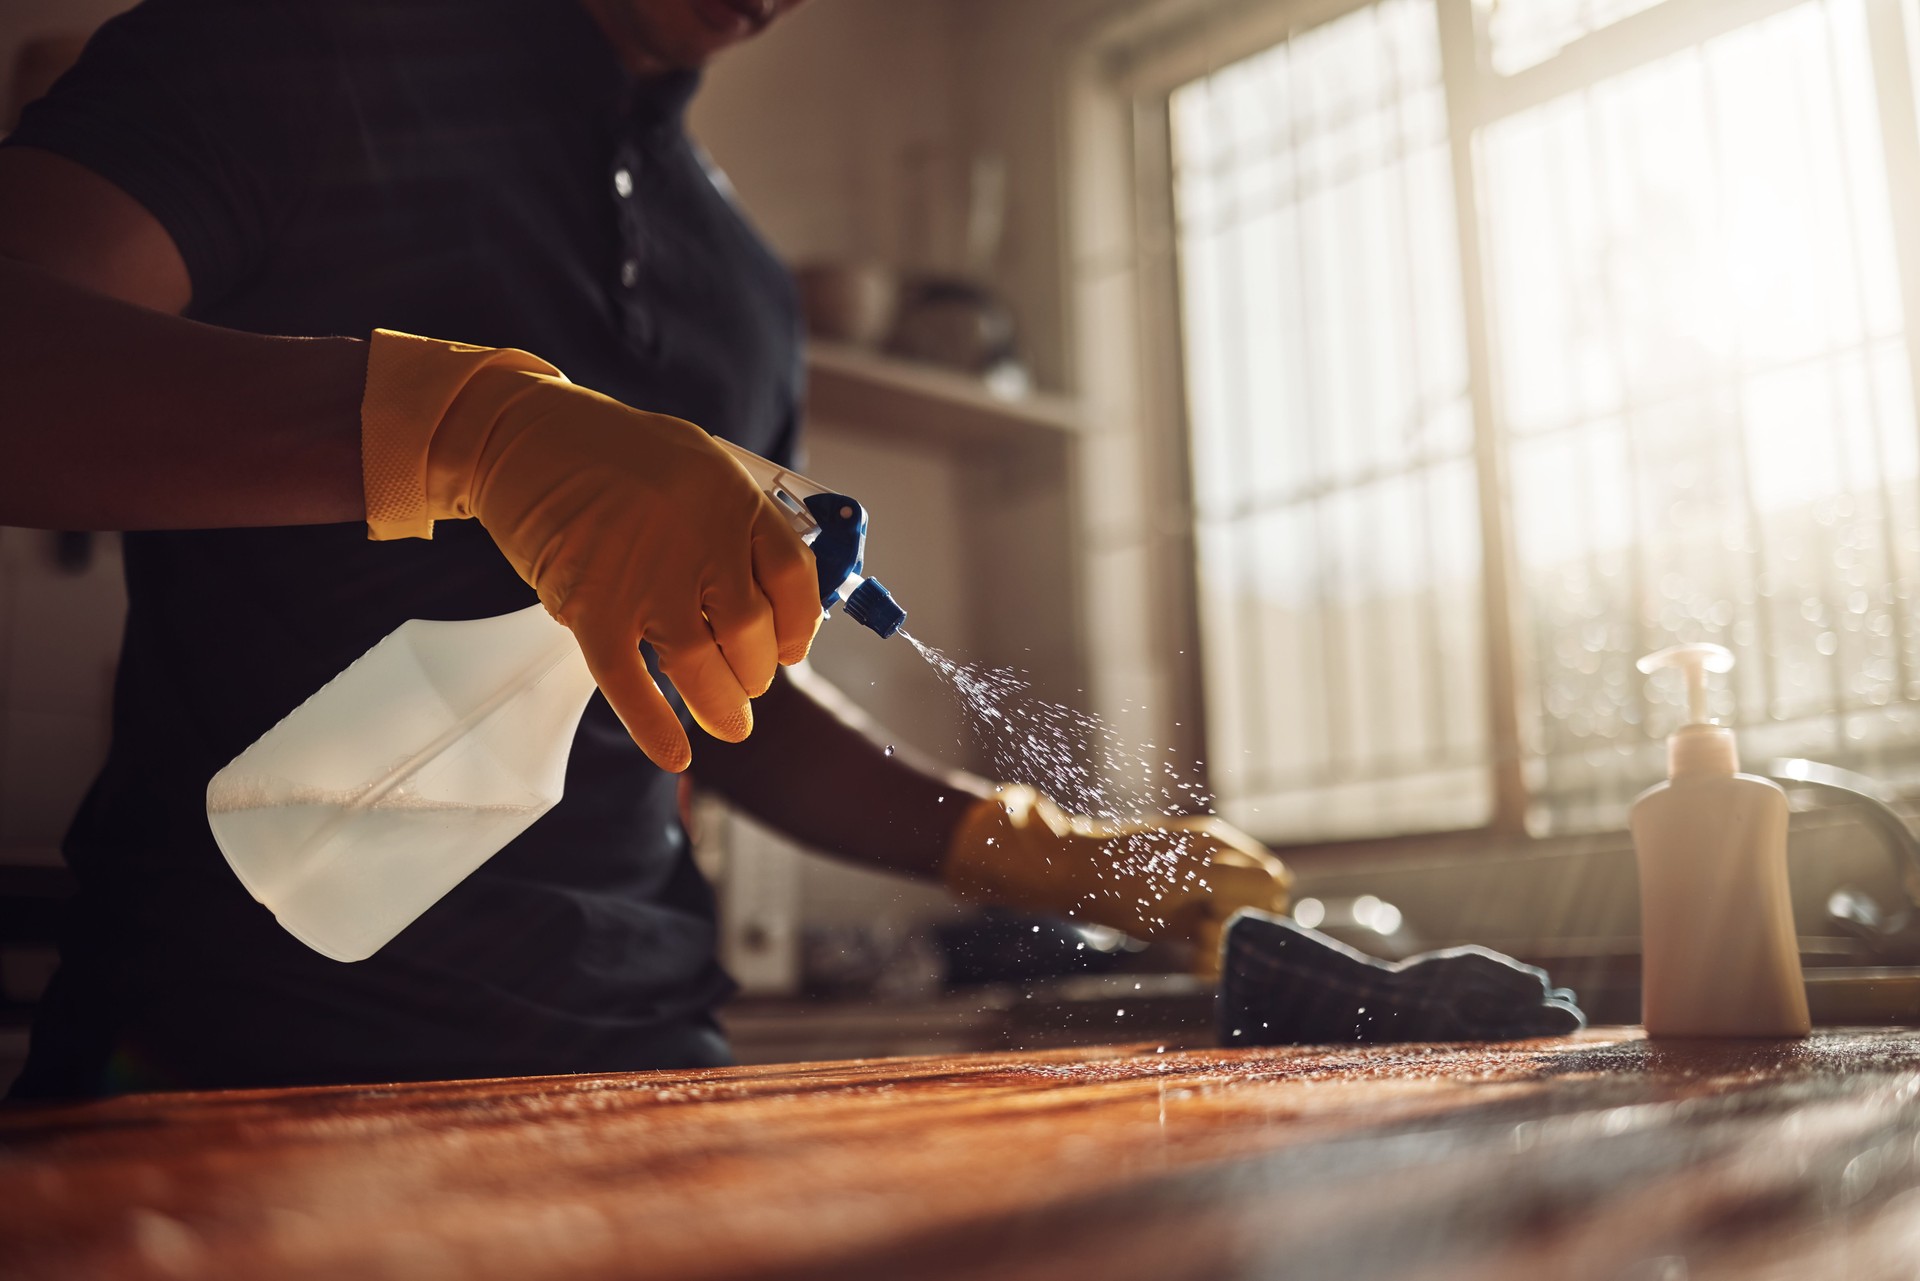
(1599, 1156)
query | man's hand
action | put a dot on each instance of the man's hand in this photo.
(1151, 878)
(631, 526)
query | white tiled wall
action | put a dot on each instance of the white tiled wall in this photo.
(59, 639)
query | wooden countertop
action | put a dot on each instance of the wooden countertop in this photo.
(1598, 1156)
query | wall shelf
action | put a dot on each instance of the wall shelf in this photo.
(862, 389)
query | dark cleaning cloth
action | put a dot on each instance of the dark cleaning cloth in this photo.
(1284, 984)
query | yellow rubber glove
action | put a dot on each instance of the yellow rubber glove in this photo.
(631, 526)
(1177, 878)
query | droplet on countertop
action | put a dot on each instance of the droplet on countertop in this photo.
(889, 749)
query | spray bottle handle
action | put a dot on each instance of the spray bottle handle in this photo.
(834, 526)
(788, 489)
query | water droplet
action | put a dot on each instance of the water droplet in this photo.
(889, 749)
(1074, 756)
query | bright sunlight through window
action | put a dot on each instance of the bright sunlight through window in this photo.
(1701, 395)
(1525, 33)
(1704, 375)
(1339, 540)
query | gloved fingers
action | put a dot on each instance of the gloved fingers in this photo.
(741, 621)
(622, 675)
(1235, 881)
(1233, 846)
(1226, 835)
(785, 571)
(711, 691)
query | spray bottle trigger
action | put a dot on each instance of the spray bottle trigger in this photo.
(834, 527)
(839, 543)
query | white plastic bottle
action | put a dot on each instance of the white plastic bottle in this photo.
(443, 742)
(402, 775)
(1719, 955)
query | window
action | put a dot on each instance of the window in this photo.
(1695, 385)
(1331, 436)
(1525, 33)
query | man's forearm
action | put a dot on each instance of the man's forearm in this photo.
(113, 416)
(816, 769)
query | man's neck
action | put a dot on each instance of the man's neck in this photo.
(627, 36)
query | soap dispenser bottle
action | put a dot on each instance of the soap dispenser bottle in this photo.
(1719, 956)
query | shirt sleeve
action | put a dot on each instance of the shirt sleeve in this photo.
(195, 109)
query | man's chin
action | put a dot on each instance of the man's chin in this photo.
(684, 34)
(729, 20)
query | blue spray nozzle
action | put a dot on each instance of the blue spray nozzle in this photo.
(874, 608)
(839, 553)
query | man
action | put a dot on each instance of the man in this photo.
(513, 175)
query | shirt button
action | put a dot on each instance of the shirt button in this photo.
(623, 182)
(629, 273)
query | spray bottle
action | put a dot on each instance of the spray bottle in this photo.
(1719, 955)
(418, 763)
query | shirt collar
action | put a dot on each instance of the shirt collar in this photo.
(659, 100)
(580, 54)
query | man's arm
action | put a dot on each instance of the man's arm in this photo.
(817, 769)
(116, 413)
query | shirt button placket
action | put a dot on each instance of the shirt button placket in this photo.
(629, 219)
(640, 324)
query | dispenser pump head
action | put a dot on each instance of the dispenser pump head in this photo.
(1700, 747)
(1695, 659)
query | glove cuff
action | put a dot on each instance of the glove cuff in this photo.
(411, 383)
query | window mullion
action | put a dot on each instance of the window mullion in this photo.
(1900, 145)
(1460, 73)
(1620, 47)
(1173, 538)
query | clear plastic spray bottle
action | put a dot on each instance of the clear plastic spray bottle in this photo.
(1719, 956)
(446, 740)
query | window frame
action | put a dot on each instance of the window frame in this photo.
(1119, 121)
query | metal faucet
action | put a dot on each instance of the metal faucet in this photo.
(1893, 939)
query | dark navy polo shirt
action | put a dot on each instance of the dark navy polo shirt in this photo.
(476, 170)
